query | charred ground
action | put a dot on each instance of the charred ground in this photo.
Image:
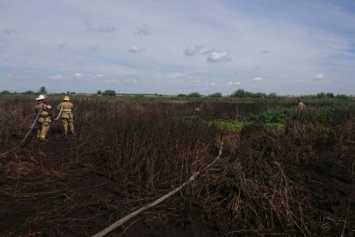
(296, 182)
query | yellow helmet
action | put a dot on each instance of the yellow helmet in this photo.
(66, 98)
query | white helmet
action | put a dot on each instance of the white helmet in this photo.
(41, 97)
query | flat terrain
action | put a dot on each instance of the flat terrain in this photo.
(52, 192)
(55, 193)
(281, 173)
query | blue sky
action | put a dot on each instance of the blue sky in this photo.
(171, 47)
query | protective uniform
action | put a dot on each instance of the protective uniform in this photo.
(301, 106)
(66, 115)
(44, 119)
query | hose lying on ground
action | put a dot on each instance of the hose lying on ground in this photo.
(24, 139)
(152, 204)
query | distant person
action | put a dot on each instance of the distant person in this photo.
(44, 119)
(300, 106)
(67, 115)
(198, 109)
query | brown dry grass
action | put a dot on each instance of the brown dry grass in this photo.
(126, 154)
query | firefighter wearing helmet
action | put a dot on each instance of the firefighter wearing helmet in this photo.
(44, 118)
(67, 115)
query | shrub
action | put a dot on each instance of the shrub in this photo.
(109, 93)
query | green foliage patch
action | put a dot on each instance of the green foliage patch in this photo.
(231, 126)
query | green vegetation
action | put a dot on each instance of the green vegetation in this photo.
(230, 126)
(194, 94)
(42, 90)
(109, 93)
(216, 95)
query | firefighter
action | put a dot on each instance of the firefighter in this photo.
(66, 115)
(44, 118)
(300, 105)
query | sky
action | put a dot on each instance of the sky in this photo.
(175, 47)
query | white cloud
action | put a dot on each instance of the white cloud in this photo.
(231, 83)
(217, 56)
(78, 75)
(56, 78)
(319, 77)
(258, 79)
(136, 49)
(252, 39)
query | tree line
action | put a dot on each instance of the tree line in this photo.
(240, 93)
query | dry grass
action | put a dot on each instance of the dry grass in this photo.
(296, 183)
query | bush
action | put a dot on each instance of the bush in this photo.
(109, 93)
(28, 93)
(194, 94)
(216, 95)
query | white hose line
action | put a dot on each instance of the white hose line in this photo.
(24, 139)
(60, 112)
(152, 204)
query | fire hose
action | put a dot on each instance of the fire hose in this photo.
(24, 139)
(159, 200)
(28, 133)
(60, 112)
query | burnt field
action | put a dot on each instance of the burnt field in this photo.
(280, 174)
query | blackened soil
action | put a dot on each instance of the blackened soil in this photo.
(47, 189)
